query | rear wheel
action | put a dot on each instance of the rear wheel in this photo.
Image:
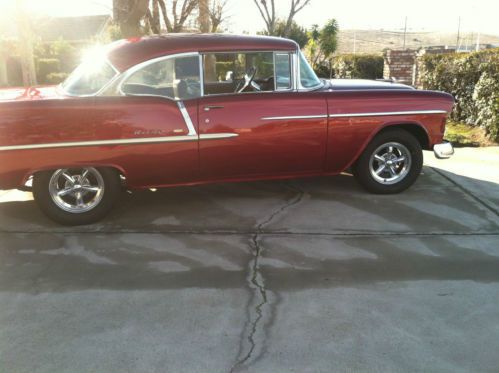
(76, 196)
(390, 163)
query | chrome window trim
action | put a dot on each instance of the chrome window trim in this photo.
(136, 141)
(387, 113)
(274, 52)
(291, 80)
(187, 119)
(300, 87)
(126, 75)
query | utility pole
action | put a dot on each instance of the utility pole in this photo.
(25, 45)
(405, 30)
(478, 41)
(458, 33)
(204, 16)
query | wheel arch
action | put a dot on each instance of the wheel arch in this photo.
(414, 128)
(31, 173)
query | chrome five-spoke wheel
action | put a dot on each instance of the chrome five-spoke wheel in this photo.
(75, 196)
(390, 163)
(76, 190)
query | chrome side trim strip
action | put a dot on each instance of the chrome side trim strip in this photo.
(296, 117)
(144, 140)
(380, 114)
(187, 119)
(215, 136)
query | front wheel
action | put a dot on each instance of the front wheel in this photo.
(390, 163)
(76, 196)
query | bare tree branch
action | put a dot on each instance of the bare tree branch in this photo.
(217, 14)
(296, 6)
(268, 15)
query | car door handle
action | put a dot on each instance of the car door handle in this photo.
(212, 107)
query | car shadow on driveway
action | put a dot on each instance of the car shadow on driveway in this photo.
(317, 232)
(437, 203)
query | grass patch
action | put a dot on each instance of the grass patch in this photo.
(461, 134)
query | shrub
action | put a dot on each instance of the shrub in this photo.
(367, 66)
(56, 78)
(46, 66)
(473, 80)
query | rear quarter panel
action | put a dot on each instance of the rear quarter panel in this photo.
(89, 119)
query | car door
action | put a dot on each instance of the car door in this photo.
(276, 131)
(156, 116)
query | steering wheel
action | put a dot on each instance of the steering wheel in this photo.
(248, 80)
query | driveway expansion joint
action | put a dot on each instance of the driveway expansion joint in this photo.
(466, 191)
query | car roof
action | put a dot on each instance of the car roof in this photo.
(124, 54)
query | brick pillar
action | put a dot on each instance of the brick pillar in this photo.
(400, 65)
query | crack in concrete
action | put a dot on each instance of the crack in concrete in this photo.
(466, 191)
(257, 283)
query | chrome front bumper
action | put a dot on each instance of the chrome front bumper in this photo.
(443, 150)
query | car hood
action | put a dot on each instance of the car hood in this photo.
(364, 84)
(27, 94)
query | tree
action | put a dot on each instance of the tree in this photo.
(296, 32)
(25, 45)
(176, 22)
(322, 44)
(204, 16)
(128, 14)
(132, 15)
(267, 10)
(217, 14)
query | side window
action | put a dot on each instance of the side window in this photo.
(283, 71)
(225, 72)
(175, 78)
(308, 79)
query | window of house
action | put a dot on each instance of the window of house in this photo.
(176, 78)
(238, 72)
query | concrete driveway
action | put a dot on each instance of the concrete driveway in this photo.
(313, 275)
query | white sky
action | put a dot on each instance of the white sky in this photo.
(423, 15)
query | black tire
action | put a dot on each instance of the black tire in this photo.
(109, 178)
(362, 167)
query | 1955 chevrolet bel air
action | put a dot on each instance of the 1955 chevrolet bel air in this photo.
(187, 109)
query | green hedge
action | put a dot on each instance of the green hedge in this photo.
(364, 66)
(56, 78)
(473, 80)
(45, 67)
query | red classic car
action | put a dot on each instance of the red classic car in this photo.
(189, 109)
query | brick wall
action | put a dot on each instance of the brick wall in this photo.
(400, 65)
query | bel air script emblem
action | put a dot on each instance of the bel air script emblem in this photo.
(148, 132)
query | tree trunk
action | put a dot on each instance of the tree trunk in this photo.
(204, 16)
(128, 14)
(25, 45)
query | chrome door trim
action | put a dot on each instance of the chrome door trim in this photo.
(323, 116)
(387, 113)
(187, 119)
(216, 136)
(142, 140)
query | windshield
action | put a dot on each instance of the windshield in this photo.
(89, 78)
(308, 78)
